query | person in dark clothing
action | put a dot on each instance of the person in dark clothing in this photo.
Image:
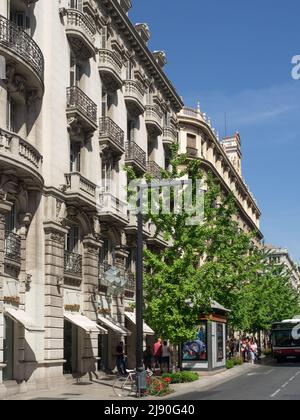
(148, 358)
(121, 365)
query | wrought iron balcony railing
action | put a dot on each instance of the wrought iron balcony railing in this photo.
(12, 246)
(78, 100)
(73, 263)
(135, 154)
(154, 169)
(20, 43)
(108, 129)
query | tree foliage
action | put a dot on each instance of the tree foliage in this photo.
(215, 260)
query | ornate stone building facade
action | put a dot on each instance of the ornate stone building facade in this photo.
(279, 256)
(223, 159)
(83, 96)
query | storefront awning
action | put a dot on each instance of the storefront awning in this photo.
(132, 317)
(114, 326)
(84, 323)
(22, 318)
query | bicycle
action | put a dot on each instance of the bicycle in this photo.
(125, 386)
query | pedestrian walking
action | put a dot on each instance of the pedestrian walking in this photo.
(166, 356)
(147, 355)
(120, 359)
(157, 353)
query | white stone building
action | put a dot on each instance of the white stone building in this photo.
(279, 255)
(223, 159)
(82, 97)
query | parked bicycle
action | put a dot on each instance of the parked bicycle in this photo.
(125, 386)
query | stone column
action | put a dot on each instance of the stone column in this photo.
(4, 209)
(54, 311)
(90, 267)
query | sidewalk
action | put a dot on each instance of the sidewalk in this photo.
(102, 388)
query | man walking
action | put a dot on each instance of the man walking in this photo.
(121, 365)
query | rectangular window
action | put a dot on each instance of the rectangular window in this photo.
(104, 38)
(129, 72)
(75, 71)
(167, 120)
(11, 111)
(10, 220)
(104, 103)
(72, 242)
(76, 4)
(106, 176)
(75, 157)
(191, 141)
(130, 130)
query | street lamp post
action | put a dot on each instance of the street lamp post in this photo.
(140, 371)
(139, 296)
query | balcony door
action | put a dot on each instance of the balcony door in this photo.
(75, 71)
(73, 240)
(75, 157)
(76, 4)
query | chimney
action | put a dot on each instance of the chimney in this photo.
(144, 31)
(232, 147)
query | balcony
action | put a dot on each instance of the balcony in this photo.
(79, 190)
(131, 228)
(73, 264)
(81, 111)
(111, 209)
(154, 169)
(134, 97)
(154, 120)
(136, 157)
(111, 136)
(169, 136)
(23, 54)
(13, 247)
(156, 239)
(81, 32)
(21, 158)
(110, 68)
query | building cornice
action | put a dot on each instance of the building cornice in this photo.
(186, 120)
(119, 16)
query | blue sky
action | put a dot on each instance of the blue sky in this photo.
(235, 57)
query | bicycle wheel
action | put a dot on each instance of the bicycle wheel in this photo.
(124, 387)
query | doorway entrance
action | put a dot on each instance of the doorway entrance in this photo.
(70, 348)
(8, 349)
(103, 352)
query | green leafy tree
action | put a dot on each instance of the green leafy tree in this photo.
(215, 260)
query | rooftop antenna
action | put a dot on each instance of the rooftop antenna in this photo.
(225, 124)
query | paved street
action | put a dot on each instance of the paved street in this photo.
(269, 382)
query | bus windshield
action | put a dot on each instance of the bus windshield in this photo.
(284, 339)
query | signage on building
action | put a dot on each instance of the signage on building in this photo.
(72, 308)
(102, 311)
